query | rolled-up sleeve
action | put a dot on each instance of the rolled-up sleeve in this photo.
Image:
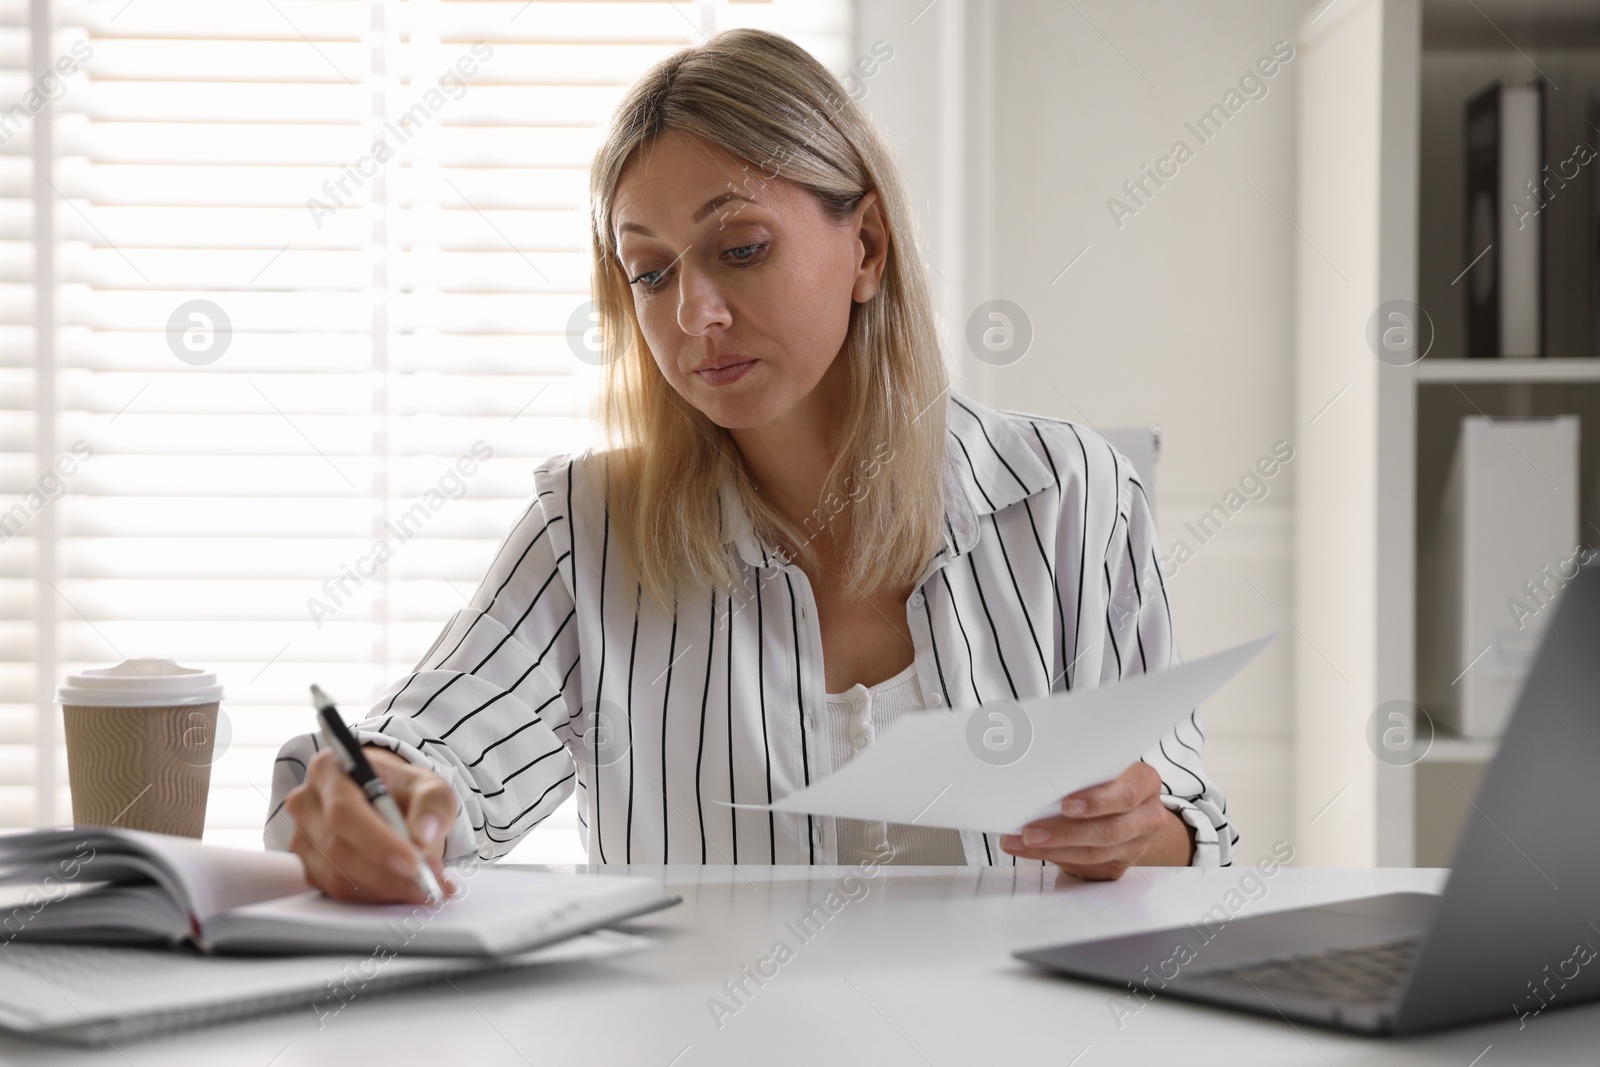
(488, 704)
(1140, 633)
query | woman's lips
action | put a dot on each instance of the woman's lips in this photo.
(723, 375)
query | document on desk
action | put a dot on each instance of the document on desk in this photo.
(102, 994)
(1003, 764)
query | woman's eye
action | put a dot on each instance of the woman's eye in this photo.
(654, 280)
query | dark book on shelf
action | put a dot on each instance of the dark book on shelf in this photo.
(1505, 221)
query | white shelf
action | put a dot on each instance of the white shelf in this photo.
(1489, 24)
(1468, 371)
(1364, 119)
(1447, 748)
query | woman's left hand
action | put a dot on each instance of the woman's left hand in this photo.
(1107, 828)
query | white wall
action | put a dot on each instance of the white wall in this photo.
(1181, 316)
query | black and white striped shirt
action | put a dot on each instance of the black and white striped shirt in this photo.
(562, 676)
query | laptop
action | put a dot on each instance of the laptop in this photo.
(1514, 931)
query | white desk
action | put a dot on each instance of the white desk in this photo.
(918, 971)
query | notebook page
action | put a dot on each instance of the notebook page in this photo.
(202, 878)
(216, 878)
(496, 910)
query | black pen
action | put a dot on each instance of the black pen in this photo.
(338, 737)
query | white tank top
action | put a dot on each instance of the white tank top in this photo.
(856, 718)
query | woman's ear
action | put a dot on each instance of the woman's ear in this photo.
(872, 237)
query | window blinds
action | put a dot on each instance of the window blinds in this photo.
(21, 428)
(313, 266)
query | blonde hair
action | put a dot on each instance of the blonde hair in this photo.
(765, 100)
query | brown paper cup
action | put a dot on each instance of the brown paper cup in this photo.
(141, 768)
(141, 737)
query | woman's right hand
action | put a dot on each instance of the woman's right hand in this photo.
(348, 850)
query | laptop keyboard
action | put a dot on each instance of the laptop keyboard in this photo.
(1371, 973)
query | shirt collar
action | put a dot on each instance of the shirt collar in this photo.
(989, 465)
(736, 526)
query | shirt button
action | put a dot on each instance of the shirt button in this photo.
(937, 698)
(916, 600)
(859, 740)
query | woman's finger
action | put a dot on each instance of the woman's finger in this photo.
(1126, 853)
(345, 872)
(1098, 872)
(430, 808)
(1058, 831)
(306, 824)
(426, 800)
(1084, 855)
(1130, 850)
(349, 851)
(1123, 793)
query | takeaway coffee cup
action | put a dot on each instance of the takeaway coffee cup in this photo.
(140, 740)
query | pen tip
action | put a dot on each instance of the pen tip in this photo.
(320, 699)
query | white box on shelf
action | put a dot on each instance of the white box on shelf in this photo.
(1507, 528)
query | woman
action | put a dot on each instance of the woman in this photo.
(799, 534)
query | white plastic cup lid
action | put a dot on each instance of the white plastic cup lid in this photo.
(140, 683)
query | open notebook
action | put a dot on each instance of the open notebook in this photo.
(110, 886)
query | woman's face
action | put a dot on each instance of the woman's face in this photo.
(730, 264)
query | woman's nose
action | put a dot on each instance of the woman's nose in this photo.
(700, 303)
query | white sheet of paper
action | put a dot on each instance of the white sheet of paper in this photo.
(925, 769)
